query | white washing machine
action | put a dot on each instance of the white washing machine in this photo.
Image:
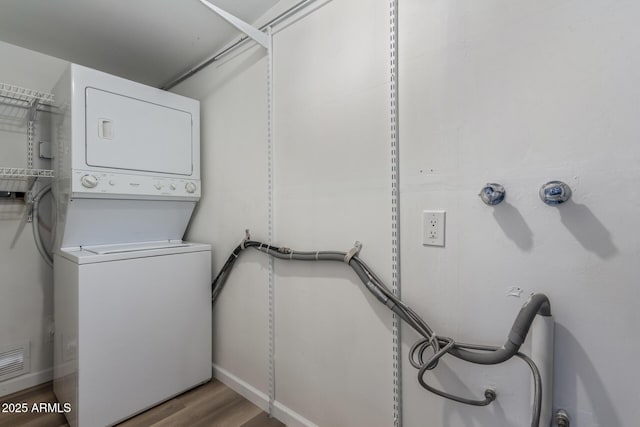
(133, 327)
(132, 301)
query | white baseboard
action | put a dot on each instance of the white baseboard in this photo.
(289, 417)
(260, 399)
(22, 382)
(246, 390)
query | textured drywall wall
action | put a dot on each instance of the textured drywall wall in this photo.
(518, 93)
(26, 294)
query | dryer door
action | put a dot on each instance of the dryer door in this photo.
(131, 134)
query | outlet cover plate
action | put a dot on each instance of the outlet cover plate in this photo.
(433, 228)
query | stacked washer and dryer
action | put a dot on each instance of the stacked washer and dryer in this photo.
(131, 299)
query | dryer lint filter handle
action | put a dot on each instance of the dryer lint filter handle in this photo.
(105, 128)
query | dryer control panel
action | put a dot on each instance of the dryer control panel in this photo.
(117, 185)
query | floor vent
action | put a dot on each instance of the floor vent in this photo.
(14, 361)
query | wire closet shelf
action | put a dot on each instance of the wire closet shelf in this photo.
(19, 107)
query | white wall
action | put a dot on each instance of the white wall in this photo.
(332, 188)
(514, 92)
(522, 93)
(26, 300)
(333, 340)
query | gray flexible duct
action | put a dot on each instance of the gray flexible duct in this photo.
(538, 304)
(35, 224)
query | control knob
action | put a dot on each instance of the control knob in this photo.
(190, 187)
(89, 181)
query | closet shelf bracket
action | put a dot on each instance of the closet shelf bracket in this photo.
(258, 36)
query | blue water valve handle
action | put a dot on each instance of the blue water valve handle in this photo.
(492, 194)
(554, 193)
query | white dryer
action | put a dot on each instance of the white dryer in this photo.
(132, 300)
(127, 160)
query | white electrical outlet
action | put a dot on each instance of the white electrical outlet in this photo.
(433, 226)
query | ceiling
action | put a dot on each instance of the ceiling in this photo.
(150, 41)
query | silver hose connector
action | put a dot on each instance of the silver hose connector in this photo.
(554, 193)
(492, 194)
(562, 418)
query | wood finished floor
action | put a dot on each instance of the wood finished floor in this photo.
(210, 405)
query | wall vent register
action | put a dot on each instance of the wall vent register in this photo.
(14, 361)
